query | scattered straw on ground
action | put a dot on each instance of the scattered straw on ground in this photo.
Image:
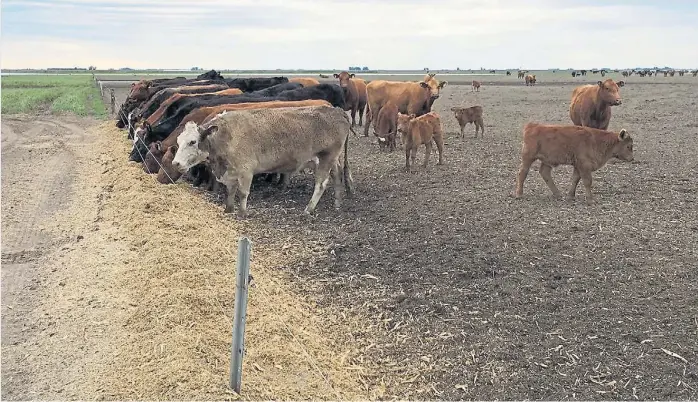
(148, 293)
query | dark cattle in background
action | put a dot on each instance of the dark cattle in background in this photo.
(161, 96)
(275, 90)
(255, 84)
(180, 108)
(508, 72)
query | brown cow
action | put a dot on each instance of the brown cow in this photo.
(386, 126)
(204, 114)
(591, 104)
(476, 85)
(530, 79)
(305, 81)
(354, 95)
(168, 174)
(586, 149)
(417, 131)
(466, 115)
(409, 97)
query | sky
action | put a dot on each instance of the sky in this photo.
(336, 34)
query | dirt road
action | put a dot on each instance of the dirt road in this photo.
(38, 165)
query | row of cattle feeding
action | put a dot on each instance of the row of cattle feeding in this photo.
(229, 130)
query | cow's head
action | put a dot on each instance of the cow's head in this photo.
(403, 123)
(139, 90)
(344, 78)
(189, 150)
(608, 91)
(434, 85)
(167, 174)
(623, 150)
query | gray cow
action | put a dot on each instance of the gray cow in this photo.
(239, 144)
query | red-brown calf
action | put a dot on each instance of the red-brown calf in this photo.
(417, 131)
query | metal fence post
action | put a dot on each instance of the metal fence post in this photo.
(238, 346)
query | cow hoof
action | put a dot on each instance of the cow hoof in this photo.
(229, 210)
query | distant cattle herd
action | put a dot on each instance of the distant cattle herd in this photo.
(215, 130)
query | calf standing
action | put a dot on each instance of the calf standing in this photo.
(386, 126)
(417, 131)
(530, 79)
(466, 115)
(586, 149)
(476, 85)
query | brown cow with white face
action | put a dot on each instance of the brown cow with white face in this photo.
(410, 97)
(354, 95)
(591, 104)
(586, 149)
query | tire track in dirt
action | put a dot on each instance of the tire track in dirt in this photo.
(37, 176)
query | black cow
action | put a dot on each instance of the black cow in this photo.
(174, 114)
(254, 84)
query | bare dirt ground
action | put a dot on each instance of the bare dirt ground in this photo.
(486, 297)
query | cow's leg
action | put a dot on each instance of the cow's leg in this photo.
(408, 151)
(427, 154)
(482, 127)
(575, 183)
(371, 115)
(284, 180)
(353, 115)
(244, 184)
(361, 114)
(586, 179)
(523, 172)
(337, 173)
(439, 140)
(232, 186)
(322, 178)
(462, 131)
(546, 173)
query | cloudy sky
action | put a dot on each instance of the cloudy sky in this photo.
(334, 34)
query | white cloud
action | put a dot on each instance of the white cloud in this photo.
(399, 34)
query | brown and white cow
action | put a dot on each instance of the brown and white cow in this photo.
(586, 149)
(591, 104)
(305, 81)
(241, 143)
(476, 86)
(386, 126)
(466, 115)
(354, 95)
(418, 130)
(530, 79)
(410, 97)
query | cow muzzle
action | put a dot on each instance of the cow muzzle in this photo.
(617, 102)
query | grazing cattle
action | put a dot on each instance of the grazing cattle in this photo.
(324, 76)
(305, 81)
(530, 79)
(418, 130)
(168, 174)
(255, 84)
(493, 71)
(584, 72)
(521, 74)
(465, 115)
(620, 83)
(603, 73)
(354, 95)
(591, 104)
(671, 73)
(242, 143)
(694, 73)
(204, 114)
(594, 71)
(586, 149)
(681, 73)
(476, 85)
(508, 72)
(625, 73)
(386, 126)
(410, 97)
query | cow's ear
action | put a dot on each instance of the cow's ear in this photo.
(336, 75)
(623, 134)
(133, 84)
(172, 149)
(424, 84)
(158, 145)
(412, 116)
(600, 83)
(432, 74)
(352, 75)
(442, 84)
(208, 131)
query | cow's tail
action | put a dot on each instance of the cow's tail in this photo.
(348, 121)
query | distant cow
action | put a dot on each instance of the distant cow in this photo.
(521, 74)
(493, 71)
(508, 72)
(386, 126)
(240, 143)
(465, 115)
(410, 97)
(305, 81)
(591, 104)
(476, 85)
(620, 84)
(255, 84)
(625, 73)
(530, 79)
(694, 73)
(354, 95)
(586, 149)
(603, 73)
(417, 131)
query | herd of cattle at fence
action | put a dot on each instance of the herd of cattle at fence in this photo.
(213, 130)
